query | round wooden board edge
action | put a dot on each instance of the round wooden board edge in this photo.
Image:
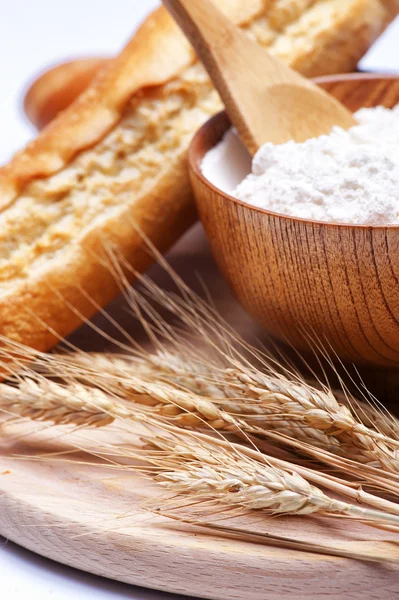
(186, 562)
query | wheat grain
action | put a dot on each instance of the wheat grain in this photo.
(371, 414)
(194, 465)
(187, 410)
(293, 408)
(229, 350)
(44, 400)
(48, 401)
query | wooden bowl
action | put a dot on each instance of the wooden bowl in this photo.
(309, 281)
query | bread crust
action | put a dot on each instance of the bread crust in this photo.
(53, 300)
(154, 55)
(58, 87)
(40, 315)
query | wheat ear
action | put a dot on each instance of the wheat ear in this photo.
(61, 406)
(83, 406)
(185, 409)
(229, 351)
(48, 401)
(196, 465)
(294, 409)
(199, 467)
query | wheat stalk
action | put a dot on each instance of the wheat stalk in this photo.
(191, 464)
(267, 484)
(199, 467)
(293, 408)
(27, 404)
(185, 409)
(187, 465)
(249, 535)
(45, 400)
(286, 405)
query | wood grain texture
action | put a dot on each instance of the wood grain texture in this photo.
(338, 284)
(251, 81)
(90, 518)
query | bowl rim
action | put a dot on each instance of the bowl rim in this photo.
(194, 163)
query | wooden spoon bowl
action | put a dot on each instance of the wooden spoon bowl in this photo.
(309, 282)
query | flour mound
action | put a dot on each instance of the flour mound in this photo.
(345, 177)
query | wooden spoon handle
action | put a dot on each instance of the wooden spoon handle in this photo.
(241, 69)
(214, 38)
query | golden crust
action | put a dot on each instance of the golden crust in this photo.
(40, 314)
(155, 54)
(357, 24)
(49, 264)
(58, 87)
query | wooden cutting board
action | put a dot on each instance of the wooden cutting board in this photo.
(90, 517)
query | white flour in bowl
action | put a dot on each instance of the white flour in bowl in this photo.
(345, 177)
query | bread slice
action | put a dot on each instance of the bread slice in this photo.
(115, 160)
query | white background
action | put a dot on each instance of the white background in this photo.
(33, 35)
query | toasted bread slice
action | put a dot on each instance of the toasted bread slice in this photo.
(114, 162)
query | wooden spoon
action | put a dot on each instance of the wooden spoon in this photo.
(265, 100)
